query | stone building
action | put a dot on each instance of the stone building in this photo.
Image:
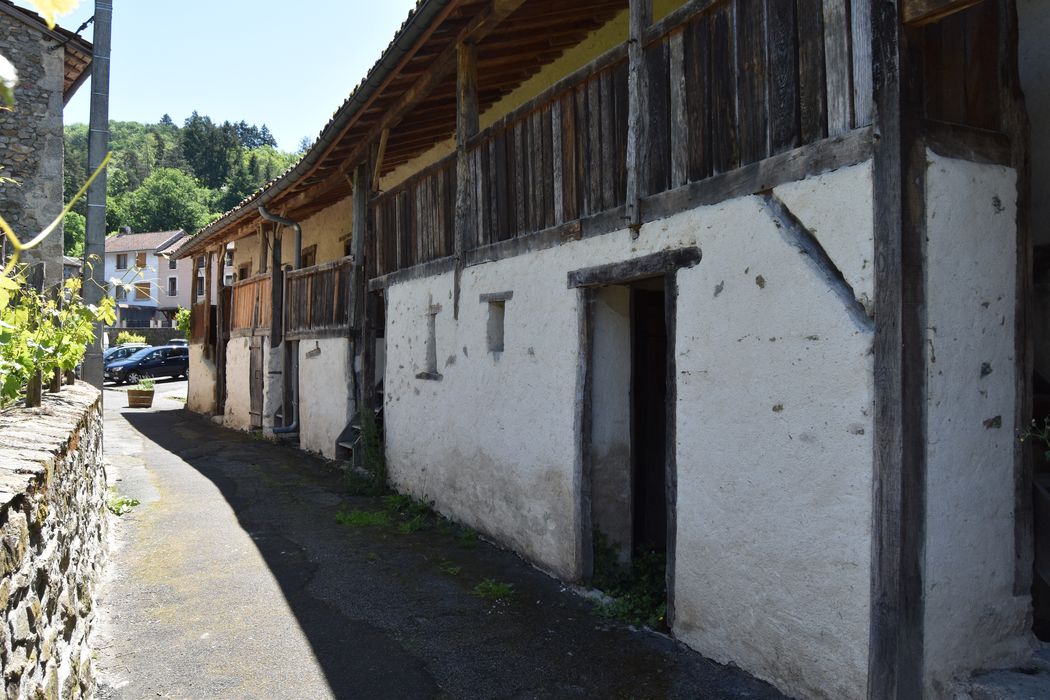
(52, 64)
(745, 282)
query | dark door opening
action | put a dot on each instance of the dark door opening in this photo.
(627, 447)
(649, 419)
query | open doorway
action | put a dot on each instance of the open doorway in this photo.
(629, 508)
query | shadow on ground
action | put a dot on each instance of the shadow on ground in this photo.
(394, 615)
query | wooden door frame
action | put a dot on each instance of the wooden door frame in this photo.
(587, 281)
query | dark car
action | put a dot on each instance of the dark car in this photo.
(163, 361)
(121, 352)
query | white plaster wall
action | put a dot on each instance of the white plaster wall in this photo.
(238, 378)
(972, 618)
(774, 432)
(847, 235)
(324, 390)
(200, 391)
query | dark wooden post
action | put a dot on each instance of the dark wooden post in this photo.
(220, 341)
(641, 16)
(276, 289)
(466, 128)
(208, 340)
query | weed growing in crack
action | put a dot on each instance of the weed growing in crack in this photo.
(118, 504)
(451, 569)
(362, 518)
(468, 539)
(638, 591)
(491, 589)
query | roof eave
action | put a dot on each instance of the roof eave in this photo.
(414, 27)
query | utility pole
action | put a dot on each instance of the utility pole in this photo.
(98, 144)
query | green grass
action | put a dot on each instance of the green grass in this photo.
(362, 518)
(491, 589)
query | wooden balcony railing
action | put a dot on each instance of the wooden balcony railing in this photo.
(727, 84)
(414, 222)
(251, 306)
(317, 301)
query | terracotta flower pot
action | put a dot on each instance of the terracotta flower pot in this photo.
(140, 398)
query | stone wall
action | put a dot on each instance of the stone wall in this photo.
(52, 543)
(31, 149)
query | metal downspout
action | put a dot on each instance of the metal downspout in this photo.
(292, 427)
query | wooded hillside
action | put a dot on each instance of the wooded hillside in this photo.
(164, 177)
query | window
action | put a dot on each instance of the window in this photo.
(140, 260)
(227, 280)
(172, 263)
(244, 272)
(122, 261)
(348, 247)
(200, 262)
(173, 286)
(142, 290)
(497, 311)
(200, 285)
(228, 261)
(309, 256)
(120, 292)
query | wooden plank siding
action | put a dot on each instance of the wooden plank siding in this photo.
(729, 83)
(199, 317)
(414, 222)
(318, 300)
(250, 305)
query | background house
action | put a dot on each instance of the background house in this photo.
(147, 285)
(31, 150)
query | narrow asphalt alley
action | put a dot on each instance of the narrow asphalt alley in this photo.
(233, 579)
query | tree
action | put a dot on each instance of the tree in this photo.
(74, 226)
(210, 150)
(168, 200)
(166, 120)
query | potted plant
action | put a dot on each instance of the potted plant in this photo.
(141, 395)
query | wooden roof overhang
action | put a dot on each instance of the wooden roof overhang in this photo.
(411, 91)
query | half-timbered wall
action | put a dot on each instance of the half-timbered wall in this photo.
(774, 422)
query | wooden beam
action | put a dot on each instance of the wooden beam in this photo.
(479, 26)
(466, 129)
(641, 16)
(380, 154)
(923, 11)
(1016, 125)
(895, 657)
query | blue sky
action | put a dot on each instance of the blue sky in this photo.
(286, 64)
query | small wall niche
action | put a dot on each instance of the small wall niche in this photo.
(497, 307)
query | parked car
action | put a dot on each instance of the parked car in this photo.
(121, 352)
(179, 341)
(162, 361)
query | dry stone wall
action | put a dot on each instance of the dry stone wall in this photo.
(52, 543)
